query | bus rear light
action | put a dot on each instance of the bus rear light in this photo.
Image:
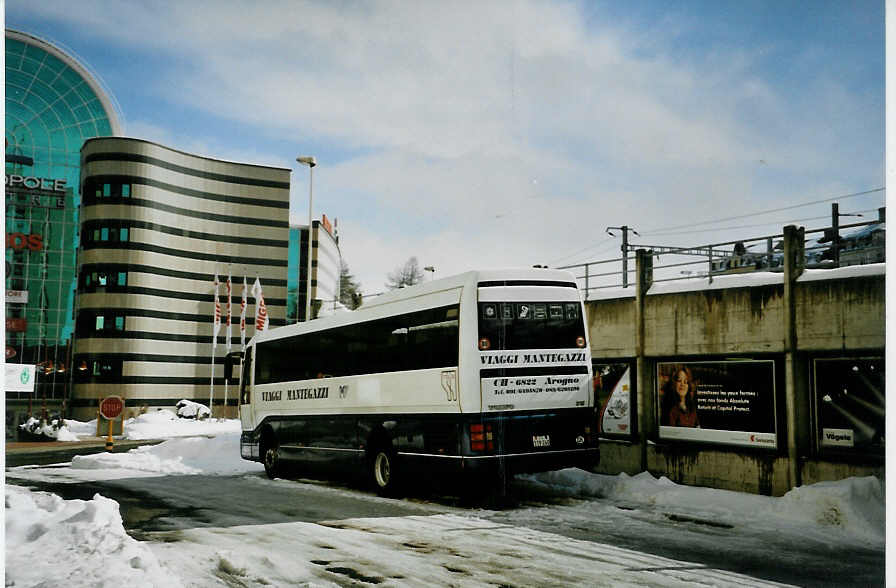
(580, 342)
(481, 437)
(484, 344)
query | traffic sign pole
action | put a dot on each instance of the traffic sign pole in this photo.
(111, 408)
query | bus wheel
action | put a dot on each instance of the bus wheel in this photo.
(383, 471)
(271, 457)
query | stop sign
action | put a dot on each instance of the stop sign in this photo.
(111, 407)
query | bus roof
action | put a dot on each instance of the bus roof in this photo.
(372, 307)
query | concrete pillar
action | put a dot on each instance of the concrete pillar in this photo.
(646, 408)
(796, 399)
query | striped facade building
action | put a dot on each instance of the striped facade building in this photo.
(156, 226)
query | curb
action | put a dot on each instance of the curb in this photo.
(50, 452)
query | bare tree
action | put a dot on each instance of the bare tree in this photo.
(406, 275)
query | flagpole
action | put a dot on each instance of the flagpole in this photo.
(227, 338)
(216, 326)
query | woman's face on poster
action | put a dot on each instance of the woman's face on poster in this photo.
(681, 383)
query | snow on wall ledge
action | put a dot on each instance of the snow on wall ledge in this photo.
(745, 280)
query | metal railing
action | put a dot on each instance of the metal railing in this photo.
(762, 253)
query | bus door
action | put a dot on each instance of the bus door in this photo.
(247, 413)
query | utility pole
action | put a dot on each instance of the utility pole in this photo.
(835, 233)
(625, 229)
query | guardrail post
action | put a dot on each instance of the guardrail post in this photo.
(796, 400)
(646, 408)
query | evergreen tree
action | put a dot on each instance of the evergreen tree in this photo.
(349, 289)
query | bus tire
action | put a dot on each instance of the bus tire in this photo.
(383, 471)
(270, 455)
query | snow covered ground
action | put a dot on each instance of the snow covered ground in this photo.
(51, 541)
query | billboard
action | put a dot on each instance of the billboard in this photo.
(849, 401)
(726, 402)
(614, 389)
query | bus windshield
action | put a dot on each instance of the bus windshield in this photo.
(531, 325)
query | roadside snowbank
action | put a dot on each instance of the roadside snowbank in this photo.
(157, 424)
(56, 542)
(853, 507)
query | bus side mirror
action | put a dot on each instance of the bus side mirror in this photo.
(230, 360)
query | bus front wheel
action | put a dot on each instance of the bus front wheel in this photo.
(271, 456)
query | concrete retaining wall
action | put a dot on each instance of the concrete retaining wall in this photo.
(834, 313)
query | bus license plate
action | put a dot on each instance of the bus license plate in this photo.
(541, 440)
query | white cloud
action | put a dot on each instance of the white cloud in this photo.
(454, 109)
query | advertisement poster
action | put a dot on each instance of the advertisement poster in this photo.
(614, 396)
(727, 402)
(849, 399)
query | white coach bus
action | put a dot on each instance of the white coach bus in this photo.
(486, 371)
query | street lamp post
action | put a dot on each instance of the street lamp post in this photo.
(310, 162)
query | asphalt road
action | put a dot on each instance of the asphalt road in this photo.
(158, 504)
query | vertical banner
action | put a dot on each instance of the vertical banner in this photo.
(243, 317)
(229, 290)
(216, 321)
(726, 402)
(849, 401)
(261, 311)
(614, 397)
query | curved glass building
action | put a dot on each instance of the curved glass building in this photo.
(53, 104)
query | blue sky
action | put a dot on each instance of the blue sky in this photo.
(508, 133)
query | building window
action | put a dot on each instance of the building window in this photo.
(95, 191)
(106, 232)
(98, 369)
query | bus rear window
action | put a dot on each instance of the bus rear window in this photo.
(531, 325)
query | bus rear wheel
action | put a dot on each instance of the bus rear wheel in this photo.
(383, 471)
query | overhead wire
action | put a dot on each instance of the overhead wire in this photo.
(690, 226)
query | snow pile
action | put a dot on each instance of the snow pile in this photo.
(218, 455)
(160, 424)
(852, 508)
(855, 505)
(157, 424)
(164, 424)
(55, 429)
(51, 541)
(187, 409)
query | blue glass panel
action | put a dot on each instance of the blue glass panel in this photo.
(54, 64)
(47, 76)
(71, 99)
(82, 113)
(84, 91)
